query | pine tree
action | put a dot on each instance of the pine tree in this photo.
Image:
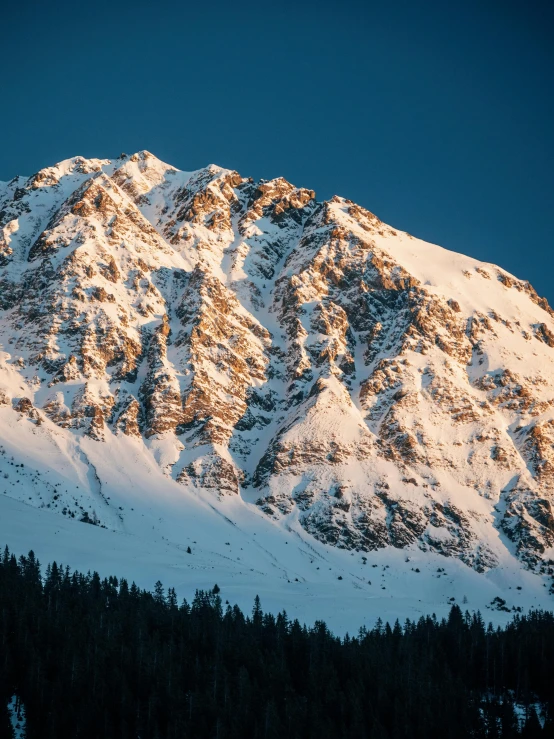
(159, 593)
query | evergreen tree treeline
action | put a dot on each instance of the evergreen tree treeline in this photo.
(92, 657)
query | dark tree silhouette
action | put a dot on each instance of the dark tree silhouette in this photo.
(92, 657)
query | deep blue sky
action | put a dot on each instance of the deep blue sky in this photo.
(437, 116)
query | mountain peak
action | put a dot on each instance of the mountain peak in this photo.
(374, 389)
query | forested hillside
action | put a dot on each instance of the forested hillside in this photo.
(88, 658)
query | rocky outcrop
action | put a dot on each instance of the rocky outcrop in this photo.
(160, 391)
(127, 416)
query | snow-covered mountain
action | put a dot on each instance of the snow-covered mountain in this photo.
(176, 339)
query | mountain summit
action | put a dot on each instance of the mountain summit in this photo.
(244, 339)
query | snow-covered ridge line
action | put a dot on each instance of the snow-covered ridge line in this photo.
(223, 338)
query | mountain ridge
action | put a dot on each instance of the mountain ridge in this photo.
(298, 355)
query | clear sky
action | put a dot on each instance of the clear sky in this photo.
(436, 116)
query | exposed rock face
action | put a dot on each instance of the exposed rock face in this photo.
(128, 417)
(300, 354)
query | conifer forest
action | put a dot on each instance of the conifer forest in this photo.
(91, 658)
